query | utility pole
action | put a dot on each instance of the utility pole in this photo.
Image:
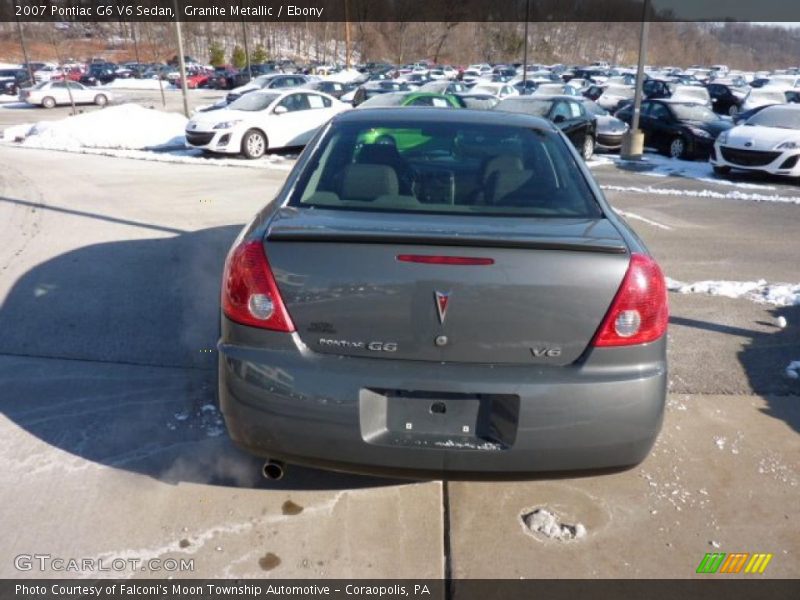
(633, 141)
(525, 56)
(347, 35)
(135, 44)
(181, 61)
(24, 49)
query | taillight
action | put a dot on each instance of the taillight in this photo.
(250, 295)
(639, 312)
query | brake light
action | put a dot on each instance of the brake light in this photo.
(640, 311)
(250, 295)
(428, 259)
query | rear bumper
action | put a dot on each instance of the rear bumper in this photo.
(282, 401)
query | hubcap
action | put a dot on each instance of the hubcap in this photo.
(676, 149)
(255, 145)
(588, 148)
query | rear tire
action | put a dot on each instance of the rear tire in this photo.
(677, 148)
(254, 144)
(587, 151)
(48, 102)
(100, 100)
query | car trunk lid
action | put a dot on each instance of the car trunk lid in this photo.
(533, 291)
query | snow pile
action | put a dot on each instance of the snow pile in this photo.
(128, 127)
(778, 294)
(138, 84)
(761, 292)
(793, 370)
(734, 195)
(542, 522)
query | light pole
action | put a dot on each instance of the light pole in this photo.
(633, 141)
(181, 61)
(525, 52)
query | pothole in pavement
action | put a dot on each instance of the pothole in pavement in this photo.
(544, 524)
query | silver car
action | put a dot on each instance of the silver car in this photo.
(442, 294)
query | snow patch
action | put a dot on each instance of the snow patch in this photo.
(760, 292)
(664, 166)
(734, 195)
(128, 126)
(542, 523)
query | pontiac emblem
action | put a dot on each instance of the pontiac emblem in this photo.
(442, 299)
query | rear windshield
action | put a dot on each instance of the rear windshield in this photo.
(469, 169)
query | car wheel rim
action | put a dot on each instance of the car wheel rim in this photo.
(733, 110)
(255, 145)
(676, 148)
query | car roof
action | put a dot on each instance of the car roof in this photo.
(426, 115)
(543, 97)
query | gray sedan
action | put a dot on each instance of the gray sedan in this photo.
(442, 294)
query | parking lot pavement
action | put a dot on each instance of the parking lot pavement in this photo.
(109, 286)
(109, 275)
(723, 477)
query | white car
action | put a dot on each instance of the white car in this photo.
(47, 72)
(51, 93)
(615, 95)
(767, 142)
(271, 81)
(691, 93)
(763, 96)
(498, 90)
(262, 120)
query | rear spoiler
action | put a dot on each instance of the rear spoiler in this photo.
(602, 245)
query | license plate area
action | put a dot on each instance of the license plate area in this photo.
(438, 419)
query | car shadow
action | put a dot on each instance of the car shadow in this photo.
(764, 356)
(108, 354)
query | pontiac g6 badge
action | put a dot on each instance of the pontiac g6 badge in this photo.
(442, 299)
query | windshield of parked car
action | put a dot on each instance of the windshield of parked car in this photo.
(41, 85)
(783, 117)
(253, 101)
(767, 96)
(693, 112)
(390, 99)
(593, 108)
(528, 106)
(453, 168)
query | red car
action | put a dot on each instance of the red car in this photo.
(196, 79)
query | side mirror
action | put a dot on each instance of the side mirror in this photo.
(279, 110)
(559, 119)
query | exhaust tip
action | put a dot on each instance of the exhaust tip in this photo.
(273, 470)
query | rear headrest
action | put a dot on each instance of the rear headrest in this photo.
(504, 162)
(378, 154)
(367, 182)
